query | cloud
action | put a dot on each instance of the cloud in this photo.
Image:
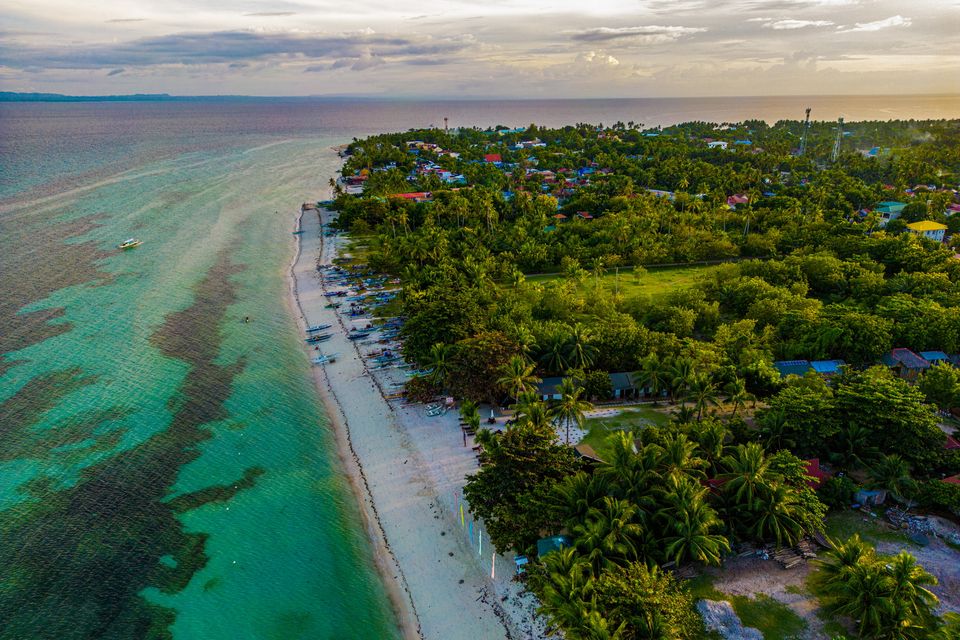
(878, 25)
(595, 58)
(271, 14)
(232, 46)
(116, 72)
(781, 25)
(648, 34)
(125, 20)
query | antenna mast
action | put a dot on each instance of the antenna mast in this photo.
(836, 144)
(446, 129)
(803, 137)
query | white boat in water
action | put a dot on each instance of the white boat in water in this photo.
(129, 244)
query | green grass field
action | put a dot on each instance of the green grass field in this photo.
(630, 419)
(654, 282)
(773, 618)
(842, 525)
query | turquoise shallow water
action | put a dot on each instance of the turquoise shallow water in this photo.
(165, 468)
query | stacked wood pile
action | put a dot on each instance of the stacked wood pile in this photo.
(791, 557)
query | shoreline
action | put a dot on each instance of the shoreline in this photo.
(401, 602)
(407, 471)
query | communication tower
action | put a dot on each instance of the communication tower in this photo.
(803, 137)
(836, 143)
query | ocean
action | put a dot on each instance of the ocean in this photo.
(166, 469)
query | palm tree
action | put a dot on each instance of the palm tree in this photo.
(653, 374)
(580, 353)
(569, 410)
(470, 413)
(748, 474)
(688, 520)
(775, 430)
(681, 372)
(909, 590)
(892, 473)
(554, 356)
(737, 395)
(608, 534)
(630, 473)
(517, 376)
(853, 447)
(775, 516)
(683, 414)
(703, 393)
(574, 496)
(525, 340)
(567, 585)
(677, 457)
(711, 437)
(438, 361)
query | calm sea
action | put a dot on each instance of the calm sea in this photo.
(166, 469)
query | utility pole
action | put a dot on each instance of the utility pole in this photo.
(803, 136)
(836, 144)
(446, 129)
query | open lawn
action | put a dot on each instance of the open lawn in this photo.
(843, 524)
(655, 282)
(774, 619)
(629, 419)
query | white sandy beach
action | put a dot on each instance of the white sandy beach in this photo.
(407, 470)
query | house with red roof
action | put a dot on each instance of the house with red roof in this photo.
(906, 363)
(493, 158)
(737, 199)
(818, 474)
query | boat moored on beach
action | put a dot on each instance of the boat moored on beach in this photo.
(318, 327)
(319, 337)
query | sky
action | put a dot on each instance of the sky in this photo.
(481, 48)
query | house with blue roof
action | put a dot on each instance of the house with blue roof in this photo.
(792, 367)
(889, 210)
(935, 357)
(827, 367)
(906, 363)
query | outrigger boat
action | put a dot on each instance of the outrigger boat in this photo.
(132, 243)
(318, 327)
(325, 359)
(319, 338)
(360, 335)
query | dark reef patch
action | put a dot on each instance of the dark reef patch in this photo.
(30, 275)
(77, 560)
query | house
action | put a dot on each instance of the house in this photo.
(935, 357)
(717, 144)
(584, 215)
(559, 217)
(737, 199)
(889, 210)
(416, 196)
(952, 479)
(553, 543)
(815, 471)
(908, 364)
(549, 389)
(928, 229)
(586, 453)
(792, 367)
(827, 367)
(623, 385)
(493, 158)
(951, 444)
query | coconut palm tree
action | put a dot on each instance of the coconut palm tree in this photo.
(568, 583)
(570, 408)
(687, 520)
(678, 457)
(580, 353)
(775, 516)
(554, 356)
(438, 361)
(608, 534)
(517, 376)
(909, 585)
(892, 473)
(631, 473)
(775, 430)
(526, 341)
(470, 413)
(574, 496)
(736, 394)
(748, 474)
(853, 447)
(703, 393)
(681, 373)
(653, 374)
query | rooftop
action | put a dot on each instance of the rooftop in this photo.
(926, 225)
